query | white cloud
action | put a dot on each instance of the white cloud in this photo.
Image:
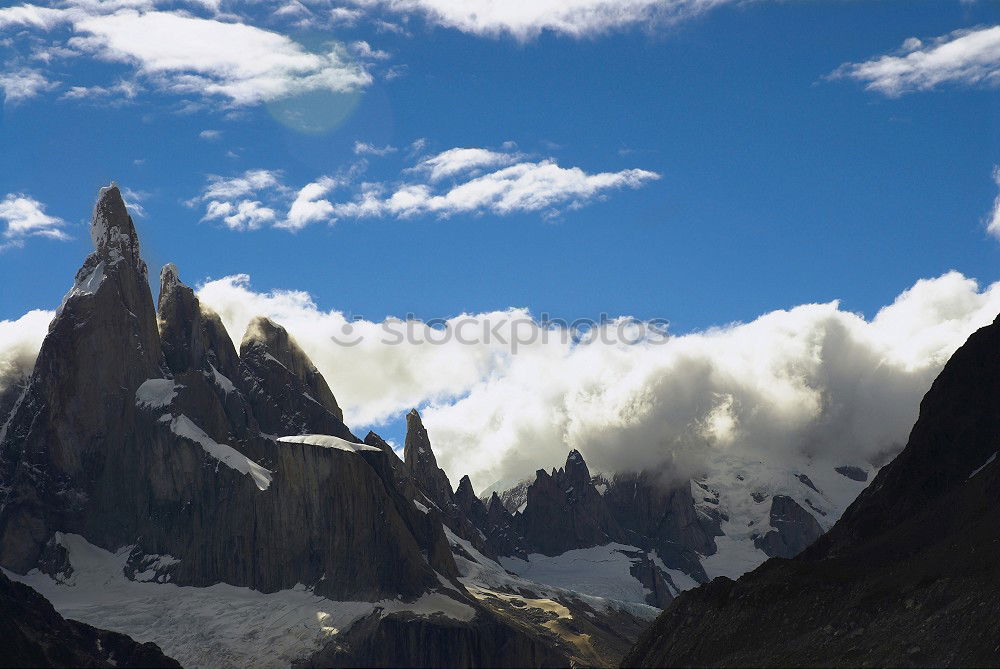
(221, 188)
(20, 341)
(26, 217)
(245, 64)
(526, 19)
(522, 187)
(365, 149)
(24, 84)
(993, 225)
(119, 93)
(32, 16)
(458, 160)
(243, 215)
(962, 57)
(133, 201)
(178, 52)
(308, 206)
(814, 378)
(210, 135)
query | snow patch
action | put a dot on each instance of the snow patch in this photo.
(328, 441)
(222, 381)
(183, 427)
(602, 571)
(421, 506)
(156, 393)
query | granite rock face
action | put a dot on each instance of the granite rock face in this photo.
(565, 511)
(34, 635)
(906, 577)
(286, 392)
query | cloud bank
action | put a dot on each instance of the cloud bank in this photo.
(968, 57)
(814, 379)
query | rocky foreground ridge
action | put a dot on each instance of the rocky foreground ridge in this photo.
(907, 577)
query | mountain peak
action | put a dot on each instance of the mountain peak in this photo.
(111, 228)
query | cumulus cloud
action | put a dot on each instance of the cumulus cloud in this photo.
(23, 84)
(309, 205)
(967, 57)
(211, 57)
(815, 379)
(478, 181)
(25, 217)
(242, 215)
(526, 19)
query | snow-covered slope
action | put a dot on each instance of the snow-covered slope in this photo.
(218, 625)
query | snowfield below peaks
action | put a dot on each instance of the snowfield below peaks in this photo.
(216, 626)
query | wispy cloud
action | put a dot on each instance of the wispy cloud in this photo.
(365, 149)
(968, 57)
(526, 19)
(457, 181)
(25, 217)
(23, 84)
(175, 51)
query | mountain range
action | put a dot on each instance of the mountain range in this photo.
(209, 501)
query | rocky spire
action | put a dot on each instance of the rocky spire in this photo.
(419, 458)
(192, 335)
(101, 346)
(287, 394)
(576, 471)
(112, 230)
(565, 511)
(471, 506)
(275, 341)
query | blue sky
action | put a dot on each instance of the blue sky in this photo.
(751, 160)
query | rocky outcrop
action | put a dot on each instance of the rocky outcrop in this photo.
(286, 392)
(659, 514)
(420, 460)
(565, 511)
(794, 529)
(502, 535)
(405, 640)
(906, 576)
(32, 634)
(470, 505)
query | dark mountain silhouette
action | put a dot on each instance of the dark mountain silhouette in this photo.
(907, 577)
